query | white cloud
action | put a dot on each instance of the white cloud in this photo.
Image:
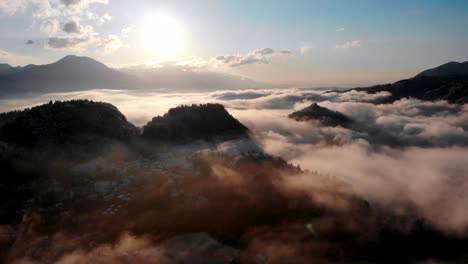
(10, 7)
(14, 59)
(259, 56)
(43, 9)
(305, 48)
(349, 44)
(104, 19)
(125, 32)
(100, 19)
(340, 29)
(50, 26)
(68, 43)
(110, 44)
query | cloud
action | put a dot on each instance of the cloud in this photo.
(361, 193)
(409, 156)
(349, 44)
(340, 29)
(50, 26)
(104, 19)
(50, 13)
(125, 32)
(43, 9)
(260, 56)
(80, 4)
(29, 42)
(305, 48)
(68, 42)
(14, 59)
(71, 2)
(110, 44)
(9, 7)
(74, 27)
(99, 19)
(413, 181)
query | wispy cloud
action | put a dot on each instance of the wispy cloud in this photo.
(11, 7)
(341, 29)
(67, 42)
(50, 26)
(349, 44)
(259, 56)
(305, 48)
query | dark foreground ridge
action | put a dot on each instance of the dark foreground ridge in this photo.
(195, 122)
(70, 122)
(326, 116)
(446, 82)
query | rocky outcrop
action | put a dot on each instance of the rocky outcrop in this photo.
(196, 122)
(325, 116)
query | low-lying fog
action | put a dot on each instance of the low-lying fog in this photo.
(409, 154)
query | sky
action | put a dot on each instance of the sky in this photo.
(284, 43)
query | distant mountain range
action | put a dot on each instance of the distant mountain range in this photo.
(446, 82)
(74, 73)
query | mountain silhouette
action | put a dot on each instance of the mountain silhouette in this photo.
(65, 123)
(446, 82)
(5, 67)
(446, 70)
(71, 73)
(75, 73)
(326, 116)
(196, 122)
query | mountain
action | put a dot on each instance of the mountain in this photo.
(326, 116)
(447, 82)
(74, 73)
(77, 122)
(83, 122)
(71, 73)
(5, 67)
(195, 122)
(446, 70)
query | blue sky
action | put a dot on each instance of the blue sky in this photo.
(296, 43)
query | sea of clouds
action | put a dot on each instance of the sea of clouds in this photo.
(408, 155)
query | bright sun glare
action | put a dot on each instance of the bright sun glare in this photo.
(163, 34)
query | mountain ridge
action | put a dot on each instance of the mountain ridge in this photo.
(452, 68)
(446, 82)
(80, 73)
(71, 73)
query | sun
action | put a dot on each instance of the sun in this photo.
(163, 34)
